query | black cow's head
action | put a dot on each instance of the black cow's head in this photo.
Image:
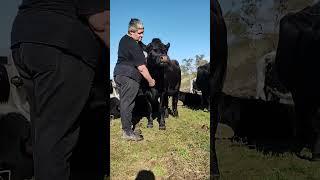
(157, 53)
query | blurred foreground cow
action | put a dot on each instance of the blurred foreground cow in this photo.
(297, 63)
(218, 66)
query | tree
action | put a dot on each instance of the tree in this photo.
(200, 60)
(184, 69)
(280, 8)
(248, 14)
(188, 65)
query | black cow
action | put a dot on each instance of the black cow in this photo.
(145, 106)
(167, 75)
(4, 84)
(218, 66)
(190, 100)
(16, 148)
(203, 73)
(297, 64)
(257, 120)
(114, 108)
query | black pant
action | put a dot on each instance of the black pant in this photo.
(128, 90)
(58, 87)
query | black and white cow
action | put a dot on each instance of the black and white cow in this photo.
(114, 104)
(114, 108)
(297, 64)
(218, 66)
(269, 87)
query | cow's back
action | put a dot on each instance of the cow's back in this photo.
(297, 54)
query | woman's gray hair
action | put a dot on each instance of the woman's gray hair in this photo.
(134, 25)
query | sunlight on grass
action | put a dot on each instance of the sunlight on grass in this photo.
(179, 152)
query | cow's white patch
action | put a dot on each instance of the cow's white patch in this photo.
(145, 54)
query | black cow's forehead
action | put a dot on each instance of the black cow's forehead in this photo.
(158, 45)
(156, 42)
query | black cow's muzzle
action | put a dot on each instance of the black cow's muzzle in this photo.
(164, 59)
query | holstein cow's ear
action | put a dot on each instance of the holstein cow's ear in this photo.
(167, 46)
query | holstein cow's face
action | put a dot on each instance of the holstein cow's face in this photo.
(157, 53)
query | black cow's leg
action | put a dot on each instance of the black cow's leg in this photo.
(162, 125)
(304, 126)
(316, 129)
(150, 119)
(208, 101)
(175, 105)
(214, 119)
(166, 106)
(266, 93)
(205, 100)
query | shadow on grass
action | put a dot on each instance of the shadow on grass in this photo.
(145, 175)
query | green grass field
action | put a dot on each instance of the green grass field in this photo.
(238, 162)
(179, 152)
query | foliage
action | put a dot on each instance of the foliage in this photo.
(190, 65)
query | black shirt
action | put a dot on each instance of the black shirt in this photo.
(130, 56)
(59, 23)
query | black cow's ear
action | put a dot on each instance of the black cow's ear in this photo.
(167, 46)
(148, 48)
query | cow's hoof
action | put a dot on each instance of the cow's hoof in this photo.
(162, 127)
(215, 177)
(149, 125)
(137, 131)
(175, 114)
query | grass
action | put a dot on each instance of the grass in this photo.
(237, 162)
(179, 152)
